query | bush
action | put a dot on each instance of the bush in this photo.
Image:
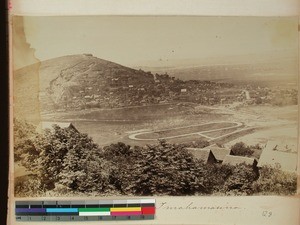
(29, 185)
(276, 182)
(241, 149)
(216, 175)
(240, 181)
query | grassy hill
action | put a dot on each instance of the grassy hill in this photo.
(76, 77)
(79, 82)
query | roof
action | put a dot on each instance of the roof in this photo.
(219, 153)
(202, 154)
(235, 160)
(287, 161)
(49, 125)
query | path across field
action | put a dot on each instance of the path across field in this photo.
(209, 131)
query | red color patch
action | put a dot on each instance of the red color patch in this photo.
(148, 210)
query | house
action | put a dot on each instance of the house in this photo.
(220, 153)
(203, 154)
(49, 125)
(286, 160)
(234, 160)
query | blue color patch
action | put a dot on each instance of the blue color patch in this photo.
(62, 210)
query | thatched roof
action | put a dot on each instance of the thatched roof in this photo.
(203, 154)
(235, 160)
(49, 125)
(219, 153)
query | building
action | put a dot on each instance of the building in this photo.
(202, 154)
(219, 153)
(287, 161)
(49, 125)
(236, 160)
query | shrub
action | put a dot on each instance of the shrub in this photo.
(241, 149)
(274, 181)
(240, 181)
(28, 185)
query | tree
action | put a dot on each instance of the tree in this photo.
(24, 148)
(121, 163)
(64, 158)
(164, 169)
(241, 149)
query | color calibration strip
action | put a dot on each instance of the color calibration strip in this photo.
(135, 209)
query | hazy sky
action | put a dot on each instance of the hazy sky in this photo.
(135, 40)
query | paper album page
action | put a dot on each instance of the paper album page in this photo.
(154, 113)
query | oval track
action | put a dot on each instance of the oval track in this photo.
(199, 129)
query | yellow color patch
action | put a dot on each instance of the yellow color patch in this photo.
(126, 209)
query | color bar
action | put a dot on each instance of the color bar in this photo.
(133, 213)
(133, 201)
(151, 201)
(126, 209)
(28, 210)
(148, 210)
(61, 210)
(90, 210)
(94, 209)
(95, 213)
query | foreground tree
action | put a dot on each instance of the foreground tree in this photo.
(68, 157)
(164, 169)
(24, 147)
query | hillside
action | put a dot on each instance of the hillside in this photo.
(79, 82)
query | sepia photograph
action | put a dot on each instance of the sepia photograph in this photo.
(155, 106)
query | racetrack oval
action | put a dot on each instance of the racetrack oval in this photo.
(200, 129)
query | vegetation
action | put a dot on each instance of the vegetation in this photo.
(67, 162)
(274, 181)
(241, 149)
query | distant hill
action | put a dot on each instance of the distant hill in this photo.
(78, 82)
(269, 68)
(267, 73)
(77, 77)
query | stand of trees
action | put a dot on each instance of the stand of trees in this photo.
(66, 162)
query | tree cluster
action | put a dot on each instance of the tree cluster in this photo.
(67, 162)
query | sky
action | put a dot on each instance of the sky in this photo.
(132, 41)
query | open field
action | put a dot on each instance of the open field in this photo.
(114, 125)
(260, 124)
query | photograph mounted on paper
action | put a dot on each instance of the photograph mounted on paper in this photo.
(155, 106)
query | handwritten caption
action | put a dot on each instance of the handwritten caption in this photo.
(192, 206)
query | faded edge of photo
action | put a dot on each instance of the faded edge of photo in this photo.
(24, 96)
